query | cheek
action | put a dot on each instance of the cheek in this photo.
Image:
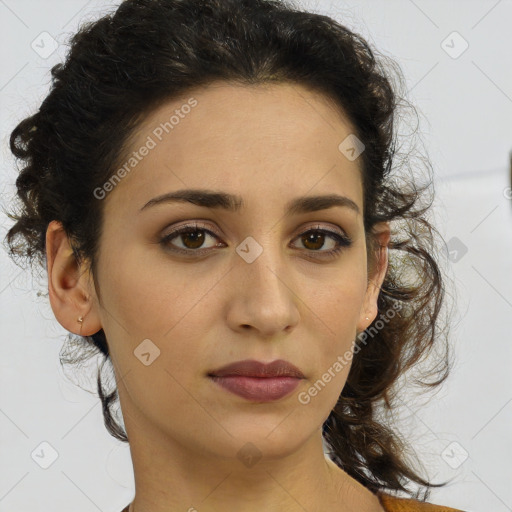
(151, 296)
(337, 304)
(337, 309)
(155, 323)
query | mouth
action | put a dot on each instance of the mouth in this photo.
(257, 381)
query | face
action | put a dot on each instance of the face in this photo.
(260, 281)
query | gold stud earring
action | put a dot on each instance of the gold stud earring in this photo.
(80, 319)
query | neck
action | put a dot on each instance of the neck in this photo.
(304, 480)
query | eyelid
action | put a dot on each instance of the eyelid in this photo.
(326, 226)
(192, 224)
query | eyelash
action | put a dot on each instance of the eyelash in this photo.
(342, 240)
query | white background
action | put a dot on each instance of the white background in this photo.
(465, 104)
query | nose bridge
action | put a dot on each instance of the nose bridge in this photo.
(263, 261)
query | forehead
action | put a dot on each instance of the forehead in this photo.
(249, 140)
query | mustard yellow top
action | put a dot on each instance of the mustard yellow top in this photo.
(392, 504)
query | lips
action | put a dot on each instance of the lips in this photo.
(252, 368)
(256, 381)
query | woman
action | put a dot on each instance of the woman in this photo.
(212, 187)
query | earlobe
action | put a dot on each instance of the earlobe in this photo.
(69, 297)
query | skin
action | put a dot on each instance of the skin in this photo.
(268, 144)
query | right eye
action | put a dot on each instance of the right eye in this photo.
(192, 237)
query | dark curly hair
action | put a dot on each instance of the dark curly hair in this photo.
(125, 64)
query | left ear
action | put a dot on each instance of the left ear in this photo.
(377, 269)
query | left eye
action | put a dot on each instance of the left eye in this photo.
(193, 237)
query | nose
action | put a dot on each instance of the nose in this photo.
(263, 295)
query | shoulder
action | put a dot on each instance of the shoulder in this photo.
(393, 504)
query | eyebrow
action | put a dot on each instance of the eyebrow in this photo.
(233, 203)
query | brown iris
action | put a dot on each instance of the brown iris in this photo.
(313, 237)
(196, 237)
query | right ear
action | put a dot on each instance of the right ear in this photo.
(70, 291)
